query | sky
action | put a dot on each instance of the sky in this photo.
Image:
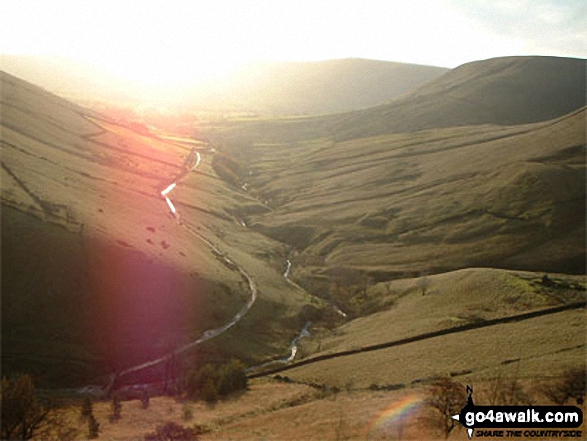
(177, 41)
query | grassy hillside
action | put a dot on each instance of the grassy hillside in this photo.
(409, 307)
(97, 275)
(531, 349)
(401, 205)
(404, 216)
(269, 410)
(452, 312)
(500, 91)
(348, 397)
(390, 213)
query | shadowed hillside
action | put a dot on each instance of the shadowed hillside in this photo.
(502, 91)
(465, 181)
(440, 235)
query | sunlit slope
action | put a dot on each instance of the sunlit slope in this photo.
(409, 307)
(541, 347)
(96, 273)
(529, 348)
(501, 91)
(431, 201)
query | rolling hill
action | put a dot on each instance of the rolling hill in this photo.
(428, 202)
(416, 218)
(499, 91)
(463, 301)
(448, 226)
(394, 192)
(270, 88)
(314, 87)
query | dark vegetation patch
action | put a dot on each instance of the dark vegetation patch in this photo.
(172, 431)
(298, 236)
(103, 307)
(228, 169)
(212, 382)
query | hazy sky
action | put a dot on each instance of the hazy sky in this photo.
(172, 41)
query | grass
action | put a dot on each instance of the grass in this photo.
(535, 348)
(276, 410)
(499, 92)
(385, 222)
(88, 244)
(136, 421)
(270, 410)
(436, 195)
(454, 298)
(399, 205)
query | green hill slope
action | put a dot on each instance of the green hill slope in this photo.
(450, 317)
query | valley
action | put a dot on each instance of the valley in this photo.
(93, 229)
(349, 260)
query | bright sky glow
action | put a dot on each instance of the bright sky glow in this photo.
(170, 42)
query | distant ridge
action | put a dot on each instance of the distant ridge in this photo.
(502, 91)
(317, 87)
(498, 91)
(291, 88)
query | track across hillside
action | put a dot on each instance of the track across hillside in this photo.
(424, 336)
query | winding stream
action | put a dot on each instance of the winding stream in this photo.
(192, 161)
(293, 350)
(287, 269)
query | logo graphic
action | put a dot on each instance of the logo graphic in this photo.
(519, 417)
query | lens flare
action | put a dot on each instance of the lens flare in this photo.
(399, 410)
